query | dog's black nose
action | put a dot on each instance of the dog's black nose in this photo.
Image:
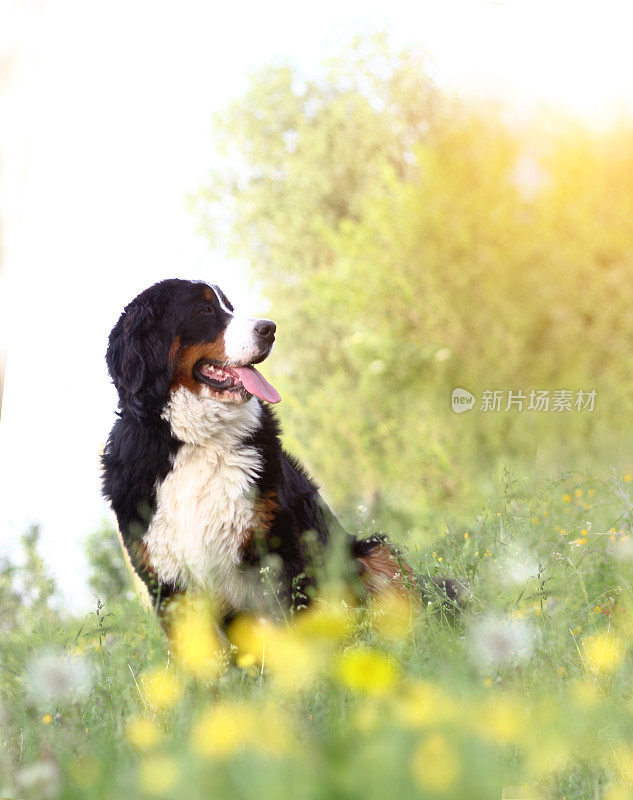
(266, 329)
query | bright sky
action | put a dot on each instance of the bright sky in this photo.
(104, 128)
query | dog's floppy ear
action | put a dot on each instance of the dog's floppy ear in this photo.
(138, 356)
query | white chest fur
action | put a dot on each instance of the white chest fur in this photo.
(205, 504)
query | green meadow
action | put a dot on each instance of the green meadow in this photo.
(407, 244)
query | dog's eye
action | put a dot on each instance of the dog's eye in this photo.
(206, 310)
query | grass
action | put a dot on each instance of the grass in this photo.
(529, 684)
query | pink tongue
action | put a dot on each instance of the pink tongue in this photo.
(255, 383)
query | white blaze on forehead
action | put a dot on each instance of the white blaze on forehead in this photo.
(240, 343)
(221, 301)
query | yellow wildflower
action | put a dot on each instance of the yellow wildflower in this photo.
(586, 694)
(435, 764)
(618, 791)
(503, 719)
(324, 620)
(194, 641)
(162, 688)
(578, 492)
(566, 498)
(423, 704)
(227, 729)
(366, 670)
(628, 477)
(392, 615)
(292, 658)
(158, 774)
(142, 733)
(367, 718)
(623, 758)
(603, 652)
(47, 719)
(245, 660)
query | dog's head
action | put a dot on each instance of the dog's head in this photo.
(186, 333)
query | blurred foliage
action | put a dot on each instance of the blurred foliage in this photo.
(27, 590)
(410, 243)
(529, 684)
(109, 576)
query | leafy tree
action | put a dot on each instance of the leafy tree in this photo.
(410, 243)
(109, 575)
(28, 594)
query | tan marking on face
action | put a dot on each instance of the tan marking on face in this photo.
(210, 295)
(187, 356)
(173, 350)
(384, 569)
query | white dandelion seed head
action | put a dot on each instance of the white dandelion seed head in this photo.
(497, 641)
(39, 781)
(53, 677)
(517, 566)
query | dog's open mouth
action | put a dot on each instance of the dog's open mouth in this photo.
(241, 381)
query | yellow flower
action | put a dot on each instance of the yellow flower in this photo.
(435, 764)
(328, 621)
(618, 791)
(158, 774)
(591, 492)
(142, 733)
(566, 498)
(424, 704)
(162, 688)
(628, 477)
(623, 758)
(47, 719)
(245, 660)
(393, 615)
(578, 492)
(293, 659)
(603, 652)
(249, 636)
(503, 720)
(367, 718)
(226, 729)
(194, 641)
(466, 534)
(366, 670)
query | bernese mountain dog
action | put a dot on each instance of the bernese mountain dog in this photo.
(204, 494)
